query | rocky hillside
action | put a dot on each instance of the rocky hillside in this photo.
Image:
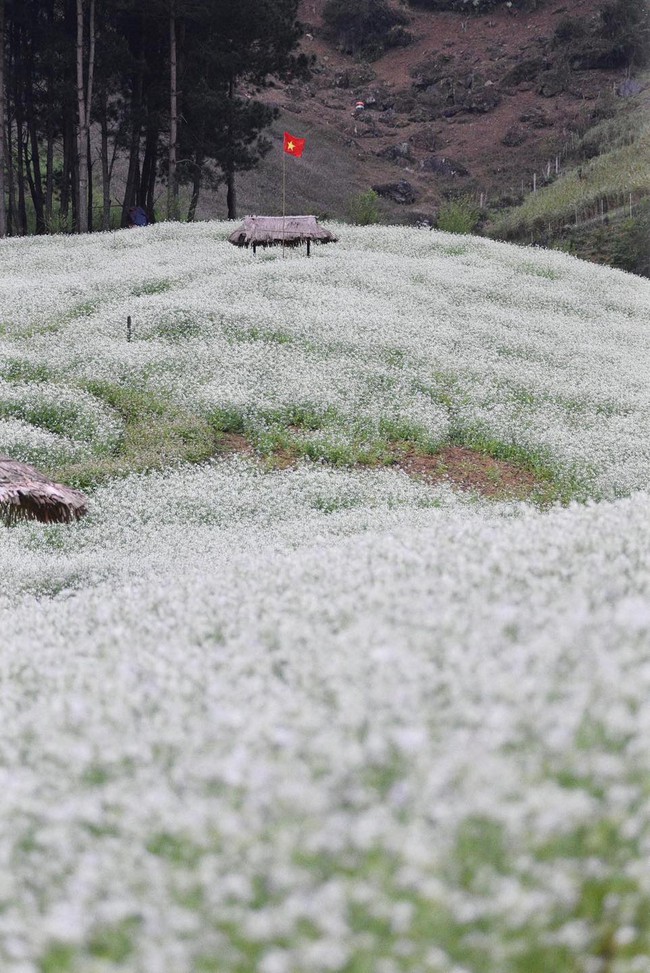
(482, 105)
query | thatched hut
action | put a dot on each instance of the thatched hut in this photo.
(279, 231)
(25, 494)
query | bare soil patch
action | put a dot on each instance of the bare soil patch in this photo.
(470, 470)
(234, 442)
(461, 467)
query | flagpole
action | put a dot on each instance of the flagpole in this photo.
(284, 194)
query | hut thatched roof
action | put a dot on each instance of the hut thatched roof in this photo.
(25, 494)
(270, 231)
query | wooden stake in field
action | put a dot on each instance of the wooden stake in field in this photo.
(292, 146)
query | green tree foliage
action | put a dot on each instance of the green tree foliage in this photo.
(226, 52)
(231, 50)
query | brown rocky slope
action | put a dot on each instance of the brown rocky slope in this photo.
(479, 105)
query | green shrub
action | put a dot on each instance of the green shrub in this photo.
(458, 216)
(365, 26)
(363, 210)
(569, 30)
(618, 37)
(626, 25)
(631, 250)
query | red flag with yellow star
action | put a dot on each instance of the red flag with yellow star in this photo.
(293, 145)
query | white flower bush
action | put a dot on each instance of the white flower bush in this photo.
(62, 422)
(329, 719)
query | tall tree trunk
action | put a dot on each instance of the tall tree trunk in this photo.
(49, 129)
(196, 188)
(90, 183)
(148, 174)
(132, 177)
(231, 192)
(84, 104)
(20, 173)
(70, 146)
(89, 107)
(68, 168)
(133, 174)
(3, 211)
(49, 176)
(12, 215)
(34, 171)
(172, 186)
(82, 135)
(150, 185)
(106, 173)
(34, 177)
(20, 145)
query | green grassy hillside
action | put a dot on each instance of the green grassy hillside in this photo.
(598, 207)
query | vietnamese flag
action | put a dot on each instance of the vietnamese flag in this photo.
(293, 146)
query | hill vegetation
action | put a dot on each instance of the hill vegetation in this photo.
(544, 91)
(598, 207)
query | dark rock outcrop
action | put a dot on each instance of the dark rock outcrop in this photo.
(514, 136)
(527, 70)
(443, 166)
(400, 192)
(536, 118)
(552, 83)
(401, 153)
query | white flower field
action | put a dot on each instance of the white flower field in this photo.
(328, 717)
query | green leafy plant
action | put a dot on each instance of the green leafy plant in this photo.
(363, 209)
(459, 215)
(631, 249)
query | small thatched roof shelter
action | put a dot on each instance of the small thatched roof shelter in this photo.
(278, 231)
(25, 494)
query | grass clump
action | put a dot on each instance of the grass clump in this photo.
(157, 433)
(58, 958)
(363, 209)
(21, 370)
(152, 287)
(459, 215)
(631, 244)
(114, 943)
